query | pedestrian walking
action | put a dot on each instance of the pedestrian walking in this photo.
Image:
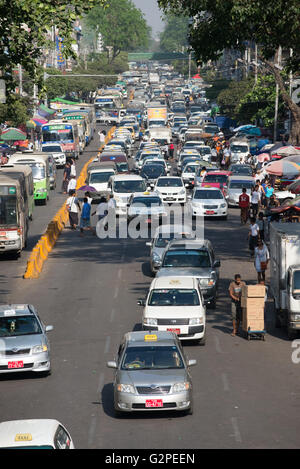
(71, 184)
(85, 219)
(73, 208)
(261, 261)
(66, 177)
(244, 204)
(102, 137)
(73, 168)
(253, 235)
(235, 292)
(261, 225)
(255, 201)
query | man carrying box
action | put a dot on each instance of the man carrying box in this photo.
(235, 292)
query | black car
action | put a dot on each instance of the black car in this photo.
(241, 169)
(151, 172)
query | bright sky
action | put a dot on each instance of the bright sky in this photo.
(152, 14)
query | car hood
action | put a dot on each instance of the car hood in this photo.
(21, 342)
(169, 190)
(152, 377)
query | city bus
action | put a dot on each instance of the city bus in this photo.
(63, 132)
(39, 164)
(13, 220)
(23, 174)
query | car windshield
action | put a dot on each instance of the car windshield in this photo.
(51, 149)
(175, 297)
(190, 169)
(218, 178)
(151, 155)
(170, 182)
(129, 186)
(100, 177)
(152, 358)
(204, 150)
(241, 171)
(239, 148)
(163, 238)
(296, 282)
(122, 167)
(186, 258)
(13, 326)
(146, 201)
(208, 195)
(152, 171)
(210, 129)
(240, 185)
(8, 210)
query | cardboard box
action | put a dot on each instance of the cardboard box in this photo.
(253, 314)
(252, 303)
(254, 291)
(254, 325)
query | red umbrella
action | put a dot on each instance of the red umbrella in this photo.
(263, 157)
(197, 76)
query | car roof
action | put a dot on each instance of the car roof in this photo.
(208, 188)
(38, 432)
(189, 244)
(236, 177)
(220, 173)
(160, 338)
(130, 177)
(173, 282)
(173, 229)
(16, 310)
(146, 194)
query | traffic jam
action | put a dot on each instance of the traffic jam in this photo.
(166, 152)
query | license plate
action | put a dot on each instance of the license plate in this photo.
(209, 212)
(170, 198)
(3, 234)
(16, 364)
(177, 331)
(154, 403)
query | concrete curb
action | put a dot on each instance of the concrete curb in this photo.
(47, 241)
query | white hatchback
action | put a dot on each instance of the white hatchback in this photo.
(171, 189)
(208, 202)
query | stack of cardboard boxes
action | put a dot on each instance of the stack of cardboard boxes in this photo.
(253, 305)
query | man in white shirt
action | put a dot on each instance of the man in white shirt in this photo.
(255, 201)
(72, 184)
(253, 235)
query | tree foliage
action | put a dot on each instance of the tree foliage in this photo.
(174, 37)
(122, 25)
(23, 31)
(16, 111)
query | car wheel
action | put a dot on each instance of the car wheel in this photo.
(202, 341)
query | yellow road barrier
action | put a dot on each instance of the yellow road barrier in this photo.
(47, 241)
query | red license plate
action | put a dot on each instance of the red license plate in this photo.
(3, 233)
(16, 364)
(177, 331)
(209, 212)
(154, 403)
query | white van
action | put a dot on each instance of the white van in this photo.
(122, 186)
(240, 150)
(175, 304)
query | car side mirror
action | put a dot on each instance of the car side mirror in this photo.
(49, 328)
(141, 302)
(111, 364)
(217, 263)
(192, 362)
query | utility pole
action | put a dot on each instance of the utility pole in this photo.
(190, 64)
(277, 96)
(256, 64)
(290, 91)
(20, 79)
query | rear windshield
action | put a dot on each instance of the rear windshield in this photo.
(187, 258)
(218, 178)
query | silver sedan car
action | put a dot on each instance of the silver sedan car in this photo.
(151, 374)
(24, 345)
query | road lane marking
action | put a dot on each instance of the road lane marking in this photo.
(217, 343)
(225, 382)
(116, 292)
(112, 314)
(107, 344)
(236, 430)
(119, 273)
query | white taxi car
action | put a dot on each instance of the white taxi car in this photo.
(34, 434)
(175, 304)
(208, 202)
(171, 189)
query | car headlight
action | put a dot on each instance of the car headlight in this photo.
(182, 192)
(196, 321)
(295, 317)
(223, 205)
(39, 349)
(156, 257)
(128, 388)
(41, 191)
(181, 387)
(206, 282)
(150, 322)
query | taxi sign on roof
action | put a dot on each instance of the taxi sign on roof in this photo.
(150, 338)
(23, 437)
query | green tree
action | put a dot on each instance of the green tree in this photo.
(122, 25)
(220, 24)
(16, 111)
(174, 37)
(229, 98)
(23, 31)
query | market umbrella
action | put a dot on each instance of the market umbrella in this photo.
(275, 147)
(288, 151)
(288, 169)
(87, 189)
(294, 188)
(13, 134)
(262, 157)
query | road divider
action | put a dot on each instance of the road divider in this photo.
(47, 241)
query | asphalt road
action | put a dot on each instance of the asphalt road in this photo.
(246, 393)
